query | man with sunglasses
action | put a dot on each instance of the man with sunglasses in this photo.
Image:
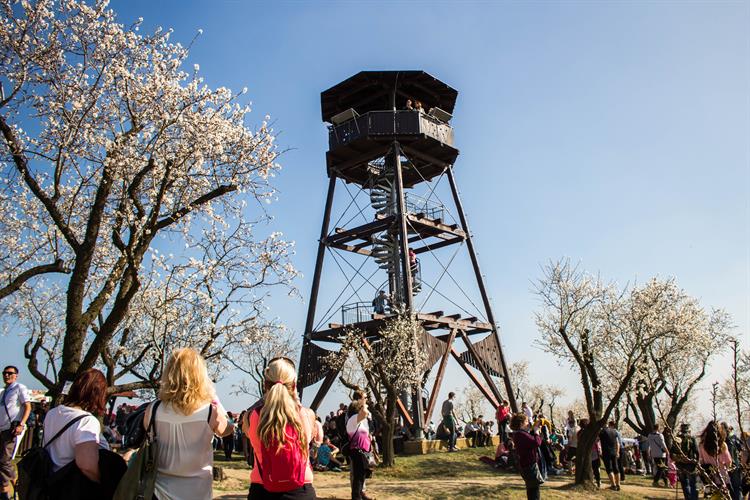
(16, 406)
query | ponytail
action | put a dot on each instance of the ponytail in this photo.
(280, 406)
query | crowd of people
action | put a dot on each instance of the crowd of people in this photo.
(286, 443)
(282, 441)
(714, 461)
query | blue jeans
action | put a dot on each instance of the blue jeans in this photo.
(687, 481)
(542, 465)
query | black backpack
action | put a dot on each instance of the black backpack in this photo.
(35, 468)
(341, 420)
(134, 434)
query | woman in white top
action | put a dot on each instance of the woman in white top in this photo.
(186, 420)
(81, 441)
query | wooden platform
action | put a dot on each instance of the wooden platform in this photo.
(429, 234)
(436, 320)
(425, 446)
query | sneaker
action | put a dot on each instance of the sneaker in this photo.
(618, 487)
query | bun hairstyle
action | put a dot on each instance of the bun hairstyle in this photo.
(280, 405)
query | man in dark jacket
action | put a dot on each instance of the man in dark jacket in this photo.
(685, 455)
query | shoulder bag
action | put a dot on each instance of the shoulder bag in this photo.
(139, 480)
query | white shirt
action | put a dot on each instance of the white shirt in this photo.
(185, 460)
(572, 435)
(14, 397)
(527, 411)
(62, 451)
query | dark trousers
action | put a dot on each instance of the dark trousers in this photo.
(227, 443)
(735, 484)
(359, 474)
(660, 471)
(689, 490)
(472, 436)
(595, 464)
(532, 493)
(450, 425)
(257, 492)
(7, 445)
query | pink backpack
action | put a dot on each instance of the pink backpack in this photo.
(283, 468)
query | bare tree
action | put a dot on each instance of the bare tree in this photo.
(253, 357)
(519, 374)
(470, 403)
(553, 394)
(734, 392)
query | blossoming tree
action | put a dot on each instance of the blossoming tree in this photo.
(393, 362)
(607, 334)
(129, 174)
(676, 363)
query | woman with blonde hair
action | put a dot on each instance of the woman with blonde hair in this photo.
(280, 431)
(187, 415)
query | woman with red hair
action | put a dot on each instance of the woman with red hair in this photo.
(72, 434)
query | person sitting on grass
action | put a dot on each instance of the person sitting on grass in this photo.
(326, 456)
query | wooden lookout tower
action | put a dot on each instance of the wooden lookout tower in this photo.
(389, 132)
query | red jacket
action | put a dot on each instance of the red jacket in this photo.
(502, 413)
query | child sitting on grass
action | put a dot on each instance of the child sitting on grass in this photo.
(326, 456)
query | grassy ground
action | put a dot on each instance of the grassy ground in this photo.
(442, 476)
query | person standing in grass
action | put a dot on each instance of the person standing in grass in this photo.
(186, 417)
(449, 420)
(526, 443)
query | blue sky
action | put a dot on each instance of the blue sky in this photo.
(615, 133)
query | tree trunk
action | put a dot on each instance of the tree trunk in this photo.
(389, 454)
(586, 440)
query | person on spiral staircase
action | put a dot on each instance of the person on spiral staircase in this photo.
(380, 302)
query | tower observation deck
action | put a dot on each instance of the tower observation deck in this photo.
(389, 132)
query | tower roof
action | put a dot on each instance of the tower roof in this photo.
(372, 90)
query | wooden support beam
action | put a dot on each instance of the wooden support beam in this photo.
(404, 412)
(424, 157)
(323, 390)
(474, 379)
(435, 224)
(482, 289)
(482, 368)
(359, 232)
(316, 274)
(439, 244)
(439, 376)
(351, 248)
